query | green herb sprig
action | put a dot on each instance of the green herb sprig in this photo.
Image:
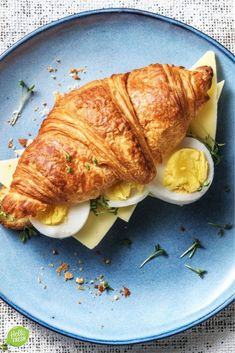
(68, 157)
(26, 93)
(157, 252)
(106, 286)
(212, 145)
(69, 169)
(192, 249)
(203, 185)
(100, 205)
(95, 162)
(27, 233)
(221, 228)
(4, 215)
(214, 148)
(3, 347)
(87, 166)
(200, 272)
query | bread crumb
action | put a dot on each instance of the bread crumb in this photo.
(80, 280)
(63, 267)
(68, 276)
(116, 297)
(125, 291)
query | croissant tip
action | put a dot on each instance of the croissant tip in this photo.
(207, 70)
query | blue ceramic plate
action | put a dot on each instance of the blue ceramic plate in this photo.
(166, 298)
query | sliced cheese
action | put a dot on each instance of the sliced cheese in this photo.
(7, 169)
(206, 121)
(220, 86)
(95, 229)
(125, 213)
(208, 59)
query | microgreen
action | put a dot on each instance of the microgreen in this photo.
(4, 215)
(192, 249)
(88, 167)
(68, 157)
(27, 233)
(203, 185)
(100, 205)
(213, 147)
(95, 162)
(106, 286)
(200, 272)
(26, 93)
(158, 251)
(69, 169)
(221, 228)
(3, 347)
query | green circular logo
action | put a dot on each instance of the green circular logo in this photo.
(17, 336)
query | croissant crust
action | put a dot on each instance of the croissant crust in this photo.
(109, 130)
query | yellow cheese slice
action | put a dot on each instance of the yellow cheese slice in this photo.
(220, 86)
(95, 229)
(7, 169)
(206, 120)
(125, 213)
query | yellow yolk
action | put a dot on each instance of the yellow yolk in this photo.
(186, 171)
(53, 215)
(123, 190)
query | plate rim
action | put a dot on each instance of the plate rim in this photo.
(166, 19)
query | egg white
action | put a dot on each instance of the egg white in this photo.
(132, 200)
(74, 221)
(158, 190)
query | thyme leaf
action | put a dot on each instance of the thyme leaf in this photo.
(158, 251)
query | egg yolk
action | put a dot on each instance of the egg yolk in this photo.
(53, 215)
(123, 190)
(186, 171)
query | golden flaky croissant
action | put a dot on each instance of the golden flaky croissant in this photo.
(109, 130)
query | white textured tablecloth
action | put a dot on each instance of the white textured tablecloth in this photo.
(214, 17)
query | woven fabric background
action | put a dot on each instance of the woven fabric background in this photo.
(214, 17)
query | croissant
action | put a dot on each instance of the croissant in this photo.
(107, 131)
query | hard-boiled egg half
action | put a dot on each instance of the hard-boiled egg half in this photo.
(125, 194)
(61, 221)
(186, 175)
